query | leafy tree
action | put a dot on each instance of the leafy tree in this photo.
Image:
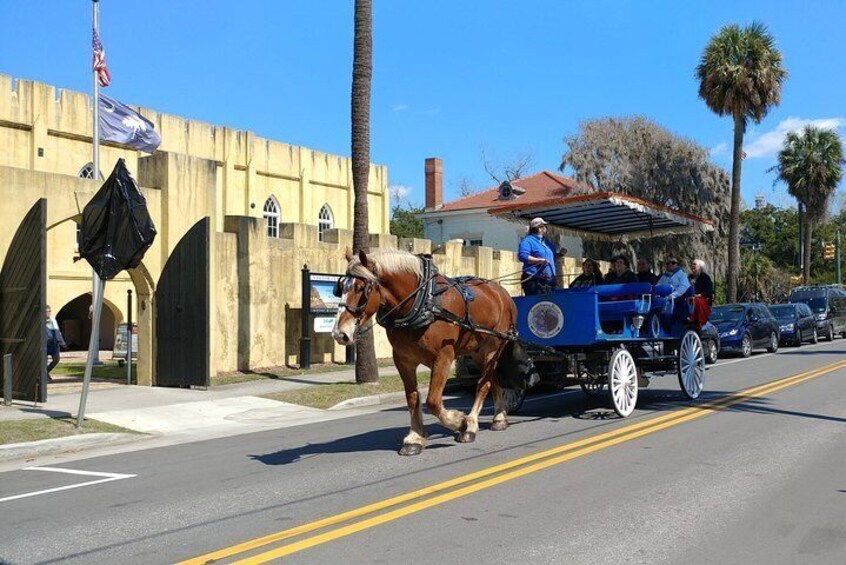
(811, 164)
(405, 221)
(365, 361)
(740, 75)
(776, 230)
(635, 156)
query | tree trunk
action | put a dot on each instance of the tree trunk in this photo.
(365, 360)
(733, 269)
(806, 260)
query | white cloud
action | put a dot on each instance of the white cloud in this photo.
(399, 192)
(399, 107)
(770, 143)
(719, 149)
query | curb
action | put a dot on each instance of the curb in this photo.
(374, 400)
(64, 444)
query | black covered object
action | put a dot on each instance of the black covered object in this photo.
(116, 226)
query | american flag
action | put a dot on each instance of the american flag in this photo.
(103, 76)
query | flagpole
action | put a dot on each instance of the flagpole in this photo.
(98, 285)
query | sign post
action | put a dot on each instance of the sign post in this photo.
(305, 333)
(129, 336)
(837, 257)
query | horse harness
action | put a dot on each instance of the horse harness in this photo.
(426, 302)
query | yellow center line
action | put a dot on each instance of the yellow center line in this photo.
(527, 465)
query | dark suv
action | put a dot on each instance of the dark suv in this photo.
(828, 303)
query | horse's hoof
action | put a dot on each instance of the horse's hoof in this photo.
(411, 449)
(466, 437)
(499, 425)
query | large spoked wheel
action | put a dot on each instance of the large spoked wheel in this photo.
(691, 365)
(593, 388)
(513, 398)
(622, 382)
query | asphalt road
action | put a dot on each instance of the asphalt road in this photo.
(753, 478)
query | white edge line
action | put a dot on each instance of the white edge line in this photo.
(68, 487)
(78, 472)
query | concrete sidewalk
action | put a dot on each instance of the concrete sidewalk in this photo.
(171, 416)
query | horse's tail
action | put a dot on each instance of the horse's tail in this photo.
(515, 368)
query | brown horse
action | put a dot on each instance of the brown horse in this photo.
(386, 279)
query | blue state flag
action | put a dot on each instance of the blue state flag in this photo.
(122, 124)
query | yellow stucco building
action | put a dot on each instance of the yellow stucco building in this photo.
(263, 209)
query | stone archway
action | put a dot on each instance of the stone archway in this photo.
(143, 313)
(75, 322)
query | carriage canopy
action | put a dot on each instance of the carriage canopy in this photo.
(607, 215)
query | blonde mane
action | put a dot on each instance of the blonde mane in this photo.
(385, 262)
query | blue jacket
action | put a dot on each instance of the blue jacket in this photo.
(534, 246)
(677, 280)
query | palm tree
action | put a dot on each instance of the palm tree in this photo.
(365, 360)
(811, 164)
(740, 75)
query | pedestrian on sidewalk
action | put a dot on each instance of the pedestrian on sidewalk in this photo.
(55, 341)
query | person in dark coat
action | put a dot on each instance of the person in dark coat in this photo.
(620, 272)
(590, 275)
(53, 341)
(701, 282)
(644, 272)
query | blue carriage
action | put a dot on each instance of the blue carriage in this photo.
(612, 338)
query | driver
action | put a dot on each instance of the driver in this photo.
(538, 257)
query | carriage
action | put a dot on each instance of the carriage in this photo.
(612, 338)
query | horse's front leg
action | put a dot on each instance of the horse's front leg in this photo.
(488, 366)
(500, 420)
(415, 441)
(452, 419)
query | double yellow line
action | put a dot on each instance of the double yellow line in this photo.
(488, 477)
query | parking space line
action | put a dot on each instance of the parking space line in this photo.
(106, 478)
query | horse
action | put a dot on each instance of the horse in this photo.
(384, 284)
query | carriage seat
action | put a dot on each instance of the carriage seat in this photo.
(617, 301)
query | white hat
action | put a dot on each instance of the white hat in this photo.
(537, 222)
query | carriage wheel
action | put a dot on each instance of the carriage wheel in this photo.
(513, 398)
(691, 365)
(593, 388)
(622, 382)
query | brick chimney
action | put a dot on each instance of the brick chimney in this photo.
(434, 183)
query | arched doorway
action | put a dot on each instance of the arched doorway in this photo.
(75, 322)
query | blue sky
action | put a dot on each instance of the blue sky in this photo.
(449, 77)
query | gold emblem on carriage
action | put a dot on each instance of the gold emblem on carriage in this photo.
(545, 319)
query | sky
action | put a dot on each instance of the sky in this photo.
(450, 79)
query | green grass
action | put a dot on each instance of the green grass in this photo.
(283, 372)
(109, 370)
(19, 431)
(326, 396)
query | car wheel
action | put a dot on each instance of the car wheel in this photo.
(773, 347)
(746, 345)
(829, 333)
(798, 342)
(816, 337)
(711, 351)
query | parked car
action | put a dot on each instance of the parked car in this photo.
(119, 351)
(828, 303)
(744, 327)
(710, 336)
(796, 323)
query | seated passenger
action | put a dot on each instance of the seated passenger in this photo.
(674, 276)
(644, 272)
(590, 275)
(620, 273)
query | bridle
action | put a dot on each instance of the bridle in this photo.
(357, 310)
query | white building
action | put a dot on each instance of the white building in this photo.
(469, 218)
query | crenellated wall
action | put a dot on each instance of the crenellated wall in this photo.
(49, 130)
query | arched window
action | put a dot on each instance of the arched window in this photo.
(87, 172)
(271, 217)
(324, 221)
